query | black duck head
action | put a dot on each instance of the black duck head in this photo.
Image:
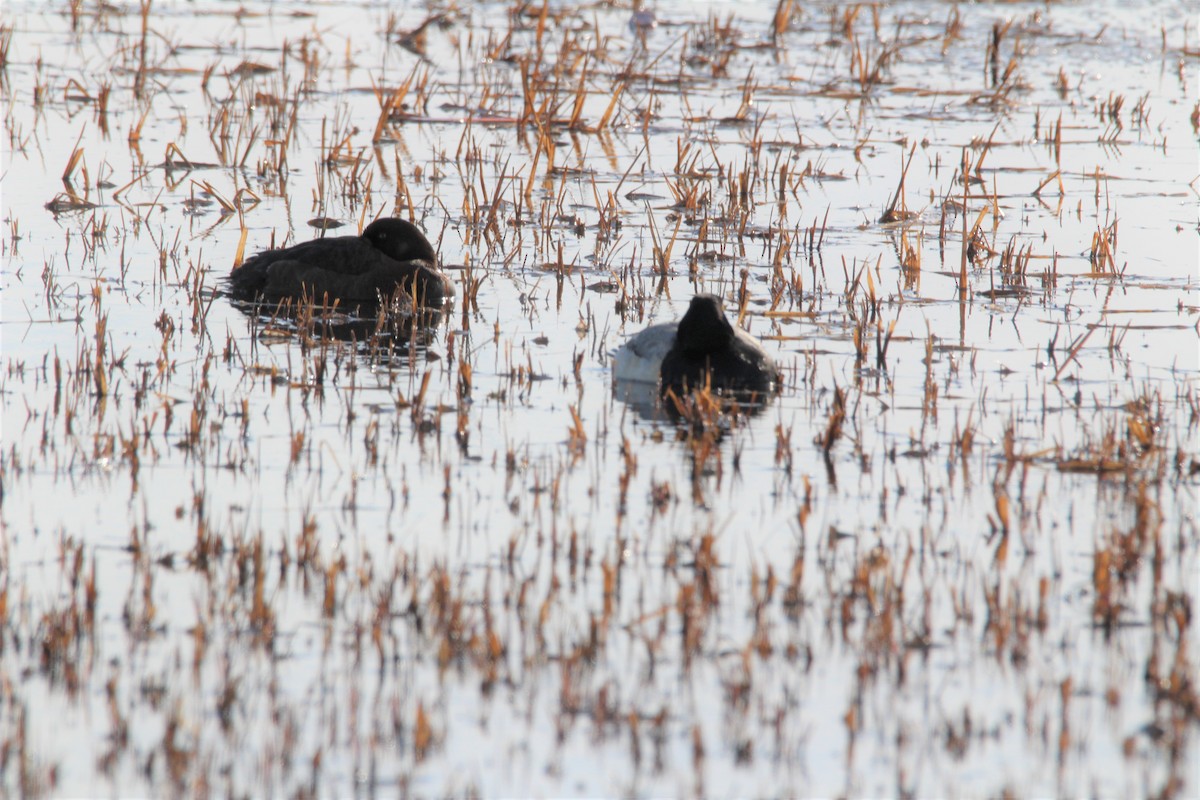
(704, 328)
(399, 239)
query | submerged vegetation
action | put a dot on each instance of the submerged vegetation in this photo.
(302, 550)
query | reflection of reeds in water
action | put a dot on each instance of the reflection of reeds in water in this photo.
(388, 335)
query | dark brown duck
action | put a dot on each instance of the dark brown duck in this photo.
(391, 256)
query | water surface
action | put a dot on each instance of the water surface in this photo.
(958, 554)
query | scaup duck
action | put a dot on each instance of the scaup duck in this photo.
(703, 347)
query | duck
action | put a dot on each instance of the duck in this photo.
(702, 349)
(391, 256)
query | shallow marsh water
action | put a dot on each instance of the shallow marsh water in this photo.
(958, 554)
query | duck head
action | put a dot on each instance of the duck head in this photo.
(704, 328)
(399, 239)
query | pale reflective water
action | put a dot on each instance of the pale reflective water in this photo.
(955, 556)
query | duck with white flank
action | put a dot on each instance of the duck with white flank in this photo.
(703, 348)
(392, 256)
